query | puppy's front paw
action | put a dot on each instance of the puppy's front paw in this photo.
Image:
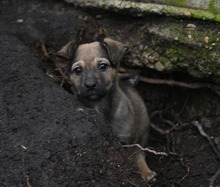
(149, 176)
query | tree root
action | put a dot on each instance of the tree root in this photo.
(146, 149)
(213, 87)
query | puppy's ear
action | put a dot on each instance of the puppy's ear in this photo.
(65, 55)
(115, 50)
(67, 51)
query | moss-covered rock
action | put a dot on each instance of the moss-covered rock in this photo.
(205, 10)
(169, 44)
(177, 47)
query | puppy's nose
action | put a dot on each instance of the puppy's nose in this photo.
(90, 84)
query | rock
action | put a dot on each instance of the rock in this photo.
(177, 45)
(205, 10)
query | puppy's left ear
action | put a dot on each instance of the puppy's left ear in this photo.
(114, 49)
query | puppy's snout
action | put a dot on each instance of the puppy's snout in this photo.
(90, 84)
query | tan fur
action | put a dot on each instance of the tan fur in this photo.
(144, 169)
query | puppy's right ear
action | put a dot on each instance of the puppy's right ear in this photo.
(67, 51)
(65, 54)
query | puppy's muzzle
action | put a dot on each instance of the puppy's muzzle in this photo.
(90, 84)
(91, 90)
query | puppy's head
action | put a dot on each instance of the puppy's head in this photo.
(93, 66)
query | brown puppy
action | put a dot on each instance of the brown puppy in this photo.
(93, 72)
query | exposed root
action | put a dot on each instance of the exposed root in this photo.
(213, 87)
(51, 57)
(187, 171)
(202, 132)
(161, 131)
(166, 121)
(28, 183)
(146, 149)
(26, 177)
(43, 48)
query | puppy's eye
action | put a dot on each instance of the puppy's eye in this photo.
(103, 67)
(77, 70)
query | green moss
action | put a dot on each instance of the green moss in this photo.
(201, 14)
(214, 6)
(177, 2)
(166, 63)
(217, 17)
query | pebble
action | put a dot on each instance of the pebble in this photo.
(159, 67)
(20, 20)
(206, 39)
(217, 140)
(141, 47)
(189, 36)
(79, 109)
(187, 13)
(191, 25)
(47, 154)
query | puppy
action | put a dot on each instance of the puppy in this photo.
(93, 72)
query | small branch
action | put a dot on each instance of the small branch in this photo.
(158, 129)
(187, 171)
(213, 87)
(43, 48)
(162, 118)
(26, 177)
(62, 72)
(202, 132)
(161, 131)
(28, 181)
(50, 56)
(146, 149)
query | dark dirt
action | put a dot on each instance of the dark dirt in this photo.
(47, 138)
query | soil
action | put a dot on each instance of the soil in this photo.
(48, 138)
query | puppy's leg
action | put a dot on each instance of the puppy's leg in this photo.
(146, 172)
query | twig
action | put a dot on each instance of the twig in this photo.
(202, 132)
(63, 74)
(51, 57)
(146, 149)
(158, 129)
(178, 83)
(162, 118)
(28, 181)
(213, 178)
(161, 131)
(181, 160)
(187, 171)
(43, 48)
(214, 88)
(26, 177)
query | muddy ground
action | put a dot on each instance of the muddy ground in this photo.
(47, 138)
